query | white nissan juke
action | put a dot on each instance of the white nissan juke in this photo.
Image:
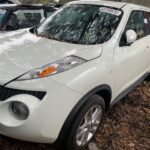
(58, 79)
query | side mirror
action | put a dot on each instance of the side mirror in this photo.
(131, 36)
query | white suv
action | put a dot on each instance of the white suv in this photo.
(58, 79)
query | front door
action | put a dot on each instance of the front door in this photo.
(132, 60)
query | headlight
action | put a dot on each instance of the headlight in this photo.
(19, 110)
(61, 65)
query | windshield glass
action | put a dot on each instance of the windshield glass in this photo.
(2, 14)
(82, 24)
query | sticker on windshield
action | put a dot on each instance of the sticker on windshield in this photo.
(2, 11)
(110, 11)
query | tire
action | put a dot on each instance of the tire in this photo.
(148, 78)
(94, 106)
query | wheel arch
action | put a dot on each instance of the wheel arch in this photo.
(103, 90)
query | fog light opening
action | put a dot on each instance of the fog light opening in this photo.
(19, 110)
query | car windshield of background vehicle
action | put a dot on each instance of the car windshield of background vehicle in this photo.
(2, 14)
(81, 24)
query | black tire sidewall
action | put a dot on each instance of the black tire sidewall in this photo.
(148, 78)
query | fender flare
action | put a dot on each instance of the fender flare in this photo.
(66, 126)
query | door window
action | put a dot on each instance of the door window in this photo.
(2, 14)
(139, 22)
(136, 23)
(23, 19)
(28, 18)
(147, 22)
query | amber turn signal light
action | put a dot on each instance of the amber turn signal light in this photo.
(47, 71)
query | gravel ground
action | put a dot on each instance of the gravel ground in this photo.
(125, 127)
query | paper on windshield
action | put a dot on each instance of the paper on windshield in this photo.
(110, 11)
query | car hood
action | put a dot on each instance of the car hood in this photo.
(22, 51)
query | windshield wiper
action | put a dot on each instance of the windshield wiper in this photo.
(87, 25)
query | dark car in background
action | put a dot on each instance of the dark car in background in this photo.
(10, 2)
(14, 17)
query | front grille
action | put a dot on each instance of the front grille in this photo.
(6, 93)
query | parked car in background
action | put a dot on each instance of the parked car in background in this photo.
(14, 17)
(58, 79)
(10, 2)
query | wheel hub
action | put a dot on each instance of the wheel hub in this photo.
(89, 125)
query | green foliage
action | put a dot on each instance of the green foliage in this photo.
(141, 2)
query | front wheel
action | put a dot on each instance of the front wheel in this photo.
(148, 78)
(86, 123)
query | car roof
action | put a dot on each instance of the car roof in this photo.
(109, 3)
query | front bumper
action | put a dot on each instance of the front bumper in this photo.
(46, 116)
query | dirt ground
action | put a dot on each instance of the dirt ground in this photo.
(125, 127)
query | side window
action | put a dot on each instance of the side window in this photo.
(22, 19)
(136, 23)
(2, 14)
(11, 24)
(147, 22)
(28, 18)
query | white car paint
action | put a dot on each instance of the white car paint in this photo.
(11, 50)
(108, 63)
